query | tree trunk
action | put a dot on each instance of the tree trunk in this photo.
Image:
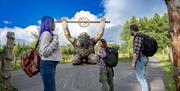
(170, 54)
(163, 53)
(174, 23)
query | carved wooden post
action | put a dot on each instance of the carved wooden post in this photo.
(174, 23)
(7, 59)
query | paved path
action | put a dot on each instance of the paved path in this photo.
(85, 78)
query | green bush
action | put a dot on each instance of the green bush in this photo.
(66, 59)
(114, 46)
(67, 49)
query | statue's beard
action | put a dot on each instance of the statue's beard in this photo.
(84, 41)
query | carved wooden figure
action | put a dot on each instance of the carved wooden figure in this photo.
(7, 59)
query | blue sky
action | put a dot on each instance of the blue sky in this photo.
(22, 16)
(22, 13)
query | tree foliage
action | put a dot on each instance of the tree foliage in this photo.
(67, 49)
(156, 27)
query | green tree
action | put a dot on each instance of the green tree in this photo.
(126, 35)
(156, 27)
(67, 49)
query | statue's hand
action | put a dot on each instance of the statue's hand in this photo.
(64, 23)
(102, 22)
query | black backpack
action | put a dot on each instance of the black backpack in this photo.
(150, 45)
(111, 60)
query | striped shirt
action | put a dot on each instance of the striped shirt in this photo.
(102, 54)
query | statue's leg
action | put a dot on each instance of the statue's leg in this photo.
(77, 59)
(92, 59)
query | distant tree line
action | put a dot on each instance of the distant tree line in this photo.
(156, 27)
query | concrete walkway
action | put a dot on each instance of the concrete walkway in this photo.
(85, 78)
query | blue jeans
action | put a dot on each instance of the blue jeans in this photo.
(140, 75)
(47, 71)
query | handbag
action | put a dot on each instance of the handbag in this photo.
(30, 61)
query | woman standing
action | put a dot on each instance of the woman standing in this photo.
(106, 73)
(50, 53)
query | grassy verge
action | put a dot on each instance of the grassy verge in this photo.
(168, 69)
(67, 59)
(124, 60)
(16, 67)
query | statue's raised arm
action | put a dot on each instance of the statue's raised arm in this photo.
(67, 34)
(101, 30)
(83, 44)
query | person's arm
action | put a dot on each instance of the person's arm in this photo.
(103, 53)
(47, 44)
(101, 31)
(67, 34)
(136, 52)
(133, 62)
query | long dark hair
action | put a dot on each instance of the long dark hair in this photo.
(104, 43)
(46, 25)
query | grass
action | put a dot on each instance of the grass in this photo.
(124, 60)
(168, 69)
(66, 59)
(16, 67)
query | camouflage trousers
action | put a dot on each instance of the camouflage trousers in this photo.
(106, 79)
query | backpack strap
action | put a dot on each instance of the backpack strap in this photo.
(36, 45)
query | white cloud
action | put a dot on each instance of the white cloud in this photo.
(6, 22)
(114, 10)
(75, 29)
(92, 29)
(21, 35)
(26, 33)
(119, 11)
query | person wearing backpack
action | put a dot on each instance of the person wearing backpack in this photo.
(106, 72)
(139, 60)
(49, 52)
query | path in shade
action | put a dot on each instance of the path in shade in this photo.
(85, 78)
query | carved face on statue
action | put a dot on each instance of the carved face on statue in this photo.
(84, 40)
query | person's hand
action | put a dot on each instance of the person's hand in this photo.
(56, 37)
(102, 22)
(64, 23)
(133, 66)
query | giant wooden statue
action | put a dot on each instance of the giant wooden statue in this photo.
(84, 44)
